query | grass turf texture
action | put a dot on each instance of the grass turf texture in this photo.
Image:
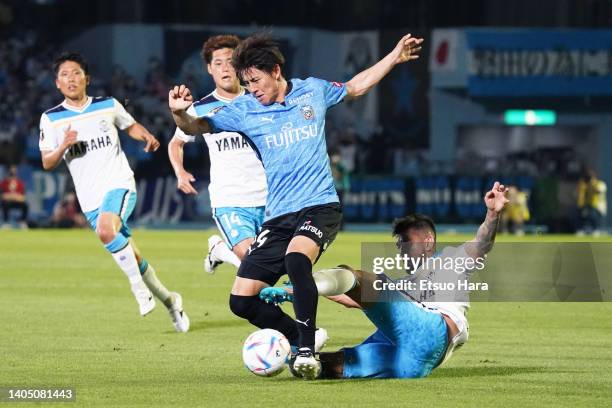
(68, 319)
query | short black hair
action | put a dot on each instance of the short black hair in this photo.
(414, 221)
(259, 51)
(70, 56)
(218, 42)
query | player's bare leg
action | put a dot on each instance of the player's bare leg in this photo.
(241, 249)
(247, 287)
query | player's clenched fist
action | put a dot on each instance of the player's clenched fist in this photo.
(70, 137)
(179, 98)
(495, 199)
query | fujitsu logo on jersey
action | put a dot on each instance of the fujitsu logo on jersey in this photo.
(290, 135)
(82, 147)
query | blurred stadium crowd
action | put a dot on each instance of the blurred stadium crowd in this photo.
(27, 89)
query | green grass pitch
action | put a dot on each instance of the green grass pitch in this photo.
(68, 319)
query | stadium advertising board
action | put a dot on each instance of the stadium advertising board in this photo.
(539, 62)
(523, 62)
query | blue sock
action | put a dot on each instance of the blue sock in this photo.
(117, 244)
(143, 265)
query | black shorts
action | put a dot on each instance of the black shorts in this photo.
(266, 258)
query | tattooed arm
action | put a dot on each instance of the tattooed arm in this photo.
(495, 200)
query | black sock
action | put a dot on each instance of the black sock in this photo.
(264, 315)
(305, 296)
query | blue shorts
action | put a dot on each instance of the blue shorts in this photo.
(119, 201)
(409, 343)
(238, 223)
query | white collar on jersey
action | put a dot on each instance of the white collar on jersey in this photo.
(75, 109)
(223, 99)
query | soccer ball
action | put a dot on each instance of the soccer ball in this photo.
(265, 352)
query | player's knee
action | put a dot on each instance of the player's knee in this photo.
(243, 306)
(105, 232)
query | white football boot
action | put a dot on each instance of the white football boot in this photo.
(211, 262)
(144, 297)
(321, 338)
(180, 320)
(306, 364)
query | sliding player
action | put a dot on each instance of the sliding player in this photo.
(417, 330)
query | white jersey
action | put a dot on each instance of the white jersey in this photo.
(97, 164)
(452, 303)
(237, 177)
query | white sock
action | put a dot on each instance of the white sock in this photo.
(333, 282)
(222, 252)
(155, 286)
(126, 260)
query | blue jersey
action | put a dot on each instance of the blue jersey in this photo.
(289, 138)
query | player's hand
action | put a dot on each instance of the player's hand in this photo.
(152, 144)
(179, 98)
(70, 137)
(495, 199)
(183, 182)
(407, 48)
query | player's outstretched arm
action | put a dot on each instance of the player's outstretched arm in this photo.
(179, 99)
(140, 133)
(183, 177)
(407, 49)
(51, 158)
(495, 200)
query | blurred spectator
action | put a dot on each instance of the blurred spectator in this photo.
(592, 205)
(13, 196)
(377, 151)
(156, 80)
(67, 213)
(516, 212)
